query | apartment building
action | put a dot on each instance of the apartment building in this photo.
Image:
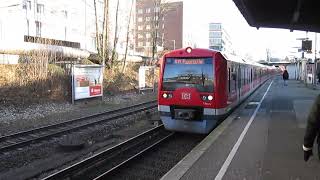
(166, 20)
(68, 26)
(219, 39)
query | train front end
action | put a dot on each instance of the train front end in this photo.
(186, 98)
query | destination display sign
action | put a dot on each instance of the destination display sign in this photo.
(189, 61)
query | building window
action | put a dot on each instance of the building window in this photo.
(148, 18)
(148, 10)
(157, 9)
(140, 27)
(215, 34)
(148, 35)
(156, 18)
(162, 26)
(40, 8)
(215, 41)
(215, 27)
(38, 28)
(140, 19)
(140, 44)
(140, 11)
(148, 27)
(140, 36)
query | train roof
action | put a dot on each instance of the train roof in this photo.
(233, 58)
(195, 51)
(211, 52)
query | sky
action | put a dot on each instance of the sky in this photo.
(246, 39)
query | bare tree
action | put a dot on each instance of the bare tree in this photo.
(127, 38)
(115, 41)
(161, 8)
(105, 38)
(98, 45)
(102, 37)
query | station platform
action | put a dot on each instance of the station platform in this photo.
(262, 139)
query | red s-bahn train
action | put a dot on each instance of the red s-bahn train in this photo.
(199, 87)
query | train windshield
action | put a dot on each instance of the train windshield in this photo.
(194, 72)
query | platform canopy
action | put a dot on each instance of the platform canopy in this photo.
(288, 14)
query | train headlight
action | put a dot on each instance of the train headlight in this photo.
(189, 49)
(210, 98)
(204, 98)
(165, 95)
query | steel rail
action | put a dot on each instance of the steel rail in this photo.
(27, 137)
(69, 171)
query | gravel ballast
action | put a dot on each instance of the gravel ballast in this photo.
(14, 119)
(39, 158)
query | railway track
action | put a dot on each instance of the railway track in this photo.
(147, 152)
(24, 138)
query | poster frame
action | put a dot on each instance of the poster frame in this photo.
(73, 80)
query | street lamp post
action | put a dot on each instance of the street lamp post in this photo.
(303, 63)
(315, 60)
(174, 44)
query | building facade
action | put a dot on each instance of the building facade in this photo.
(61, 24)
(219, 39)
(165, 20)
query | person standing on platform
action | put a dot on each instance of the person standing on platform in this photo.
(285, 76)
(312, 130)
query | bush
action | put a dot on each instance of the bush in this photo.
(20, 84)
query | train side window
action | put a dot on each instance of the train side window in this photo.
(247, 77)
(251, 76)
(239, 77)
(229, 79)
(246, 73)
(244, 76)
(233, 78)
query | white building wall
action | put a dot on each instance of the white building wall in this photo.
(71, 20)
(11, 27)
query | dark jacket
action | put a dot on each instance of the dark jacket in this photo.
(285, 75)
(313, 124)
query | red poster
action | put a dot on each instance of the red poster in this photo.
(95, 90)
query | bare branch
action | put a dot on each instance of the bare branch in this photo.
(127, 38)
(115, 41)
(97, 28)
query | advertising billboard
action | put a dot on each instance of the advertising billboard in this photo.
(146, 78)
(87, 81)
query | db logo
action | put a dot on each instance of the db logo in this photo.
(186, 96)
